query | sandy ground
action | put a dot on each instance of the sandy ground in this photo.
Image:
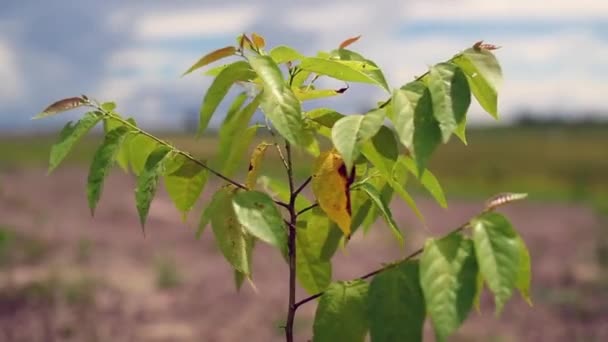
(125, 303)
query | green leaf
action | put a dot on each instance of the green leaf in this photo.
(147, 182)
(322, 233)
(108, 106)
(313, 272)
(235, 106)
(238, 71)
(375, 196)
(428, 180)
(342, 313)
(280, 190)
(102, 163)
(140, 147)
(212, 57)
(313, 94)
(110, 123)
(230, 149)
(498, 253)
(524, 274)
(237, 151)
(414, 121)
(279, 103)
(484, 75)
(406, 197)
(185, 184)
(62, 106)
(374, 73)
(448, 273)
(337, 69)
(349, 132)
(69, 136)
(396, 305)
(257, 213)
(381, 150)
(450, 95)
(282, 54)
(230, 236)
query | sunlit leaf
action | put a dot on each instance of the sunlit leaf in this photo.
(110, 123)
(186, 184)
(62, 106)
(330, 184)
(140, 147)
(254, 164)
(450, 95)
(448, 273)
(428, 180)
(238, 71)
(497, 247)
(231, 238)
(374, 73)
(282, 54)
(414, 121)
(212, 57)
(349, 132)
(69, 136)
(258, 214)
(336, 69)
(147, 182)
(396, 305)
(279, 103)
(484, 75)
(103, 159)
(313, 94)
(376, 198)
(342, 313)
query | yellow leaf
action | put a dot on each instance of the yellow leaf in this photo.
(330, 184)
(254, 164)
(258, 40)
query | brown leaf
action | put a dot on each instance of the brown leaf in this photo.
(212, 57)
(481, 46)
(62, 106)
(258, 40)
(349, 41)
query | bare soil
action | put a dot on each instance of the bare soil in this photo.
(101, 279)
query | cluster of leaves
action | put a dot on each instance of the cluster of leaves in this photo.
(353, 182)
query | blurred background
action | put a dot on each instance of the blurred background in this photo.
(65, 276)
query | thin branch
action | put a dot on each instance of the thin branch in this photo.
(162, 142)
(382, 269)
(291, 244)
(310, 207)
(301, 187)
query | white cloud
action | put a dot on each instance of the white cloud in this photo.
(194, 23)
(439, 10)
(12, 87)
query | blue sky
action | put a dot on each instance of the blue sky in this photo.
(554, 53)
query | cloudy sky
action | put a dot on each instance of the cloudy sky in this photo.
(554, 52)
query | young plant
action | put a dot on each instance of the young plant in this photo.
(358, 168)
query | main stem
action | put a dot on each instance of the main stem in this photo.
(291, 309)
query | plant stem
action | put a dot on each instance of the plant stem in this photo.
(291, 308)
(380, 270)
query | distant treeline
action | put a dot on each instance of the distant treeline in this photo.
(531, 119)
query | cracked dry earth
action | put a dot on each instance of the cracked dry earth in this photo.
(125, 303)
